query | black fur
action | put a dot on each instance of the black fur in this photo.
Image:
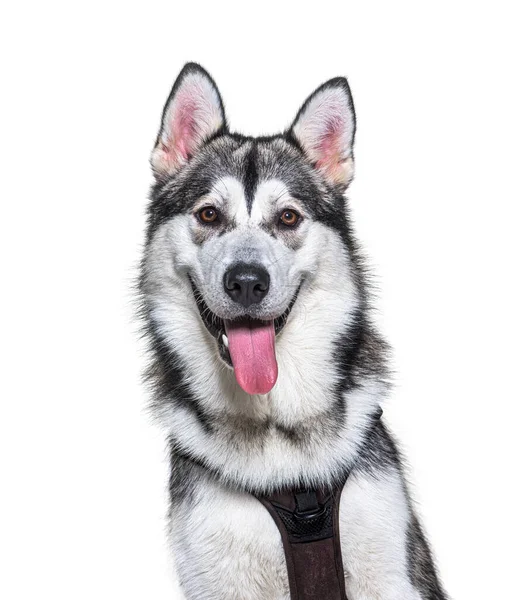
(168, 380)
(422, 570)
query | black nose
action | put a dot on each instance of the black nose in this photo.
(246, 284)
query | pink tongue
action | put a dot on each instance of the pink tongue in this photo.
(252, 349)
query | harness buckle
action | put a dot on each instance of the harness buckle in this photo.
(308, 506)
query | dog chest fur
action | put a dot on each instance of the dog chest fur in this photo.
(228, 547)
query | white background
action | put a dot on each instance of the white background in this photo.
(436, 204)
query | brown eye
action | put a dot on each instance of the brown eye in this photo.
(289, 218)
(208, 215)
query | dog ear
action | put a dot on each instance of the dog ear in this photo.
(325, 129)
(193, 113)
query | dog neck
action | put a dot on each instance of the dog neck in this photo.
(308, 429)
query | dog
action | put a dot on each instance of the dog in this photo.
(266, 371)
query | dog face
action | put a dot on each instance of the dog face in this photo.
(240, 223)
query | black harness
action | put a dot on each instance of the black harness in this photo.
(309, 526)
(308, 521)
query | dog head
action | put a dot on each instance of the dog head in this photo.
(239, 227)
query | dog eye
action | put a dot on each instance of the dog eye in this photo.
(289, 218)
(208, 215)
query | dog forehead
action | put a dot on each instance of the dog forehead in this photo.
(268, 195)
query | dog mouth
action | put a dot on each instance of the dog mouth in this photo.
(246, 344)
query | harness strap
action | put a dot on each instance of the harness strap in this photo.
(308, 521)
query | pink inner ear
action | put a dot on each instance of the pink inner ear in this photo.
(330, 145)
(188, 107)
(183, 124)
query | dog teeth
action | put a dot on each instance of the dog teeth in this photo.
(225, 340)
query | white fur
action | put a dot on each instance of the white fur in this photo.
(271, 196)
(374, 516)
(228, 196)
